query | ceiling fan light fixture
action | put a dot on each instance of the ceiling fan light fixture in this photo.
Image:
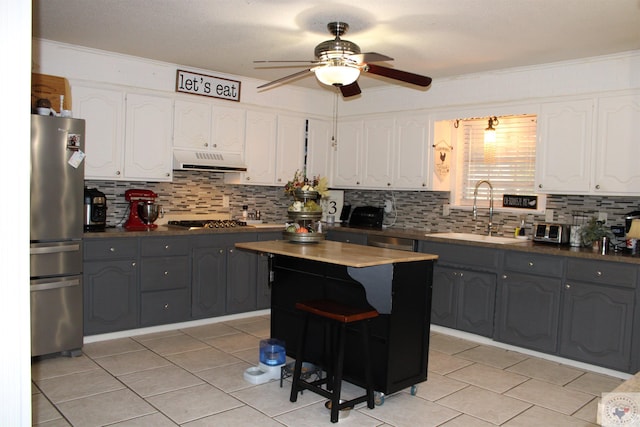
(337, 75)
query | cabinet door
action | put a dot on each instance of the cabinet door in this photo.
(596, 325)
(377, 153)
(348, 155)
(444, 297)
(110, 296)
(476, 302)
(209, 281)
(563, 152)
(241, 281)
(410, 168)
(192, 125)
(618, 150)
(260, 148)
(103, 111)
(148, 138)
(319, 148)
(289, 148)
(228, 129)
(528, 309)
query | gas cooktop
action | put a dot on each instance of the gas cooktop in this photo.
(206, 223)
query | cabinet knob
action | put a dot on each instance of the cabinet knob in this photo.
(166, 273)
(117, 173)
(248, 178)
(424, 184)
(539, 185)
(598, 187)
(504, 276)
(357, 182)
(112, 249)
(133, 264)
(530, 263)
(167, 174)
(599, 273)
(221, 251)
(166, 307)
(206, 144)
(388, 184)
(279, 179)
(215, 145)
(166, 246)
(567, 286)
(461, 274)
(230, 251)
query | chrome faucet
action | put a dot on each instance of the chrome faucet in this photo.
(475, 207)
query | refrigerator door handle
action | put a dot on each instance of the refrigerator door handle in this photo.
(54, 249)
(55, 285)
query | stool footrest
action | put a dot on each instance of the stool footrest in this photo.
(334, 310)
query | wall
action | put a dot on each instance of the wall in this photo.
(510, 91)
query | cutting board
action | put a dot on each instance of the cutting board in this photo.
(267, 225)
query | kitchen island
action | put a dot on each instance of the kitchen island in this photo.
(396, 283)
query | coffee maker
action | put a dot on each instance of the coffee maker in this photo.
(143, 210)
(95, 210)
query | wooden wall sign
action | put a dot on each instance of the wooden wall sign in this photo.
(201, 84)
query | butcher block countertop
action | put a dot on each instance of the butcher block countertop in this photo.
(330, 252)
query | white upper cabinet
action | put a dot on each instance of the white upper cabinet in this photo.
(192, 125)
(563, 152)
(378, 149)
(290, 147)
(148, 137)
(103, 112)
(202, 125)
(386, 152)
(260, 148)
(348, 154)
(412, 148)
(319, 148)
(618, 145)
(589, 146)
(128, 135)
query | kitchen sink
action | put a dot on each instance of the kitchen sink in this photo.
(470, 237)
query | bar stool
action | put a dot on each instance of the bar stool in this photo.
(336, 316)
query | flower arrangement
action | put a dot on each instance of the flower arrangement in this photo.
(302, 183)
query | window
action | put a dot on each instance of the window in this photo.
(509, 165)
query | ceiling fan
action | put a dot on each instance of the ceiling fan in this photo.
(339, 63)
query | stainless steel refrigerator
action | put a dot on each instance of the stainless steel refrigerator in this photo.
(57, 190)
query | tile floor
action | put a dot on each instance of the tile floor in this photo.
(194, 377)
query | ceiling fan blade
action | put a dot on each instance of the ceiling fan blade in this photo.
(392, 73)
(285, 78)
(352, 89)
(361, 58)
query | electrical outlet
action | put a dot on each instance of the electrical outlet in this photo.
(602, 217)
(548, 215)
(388, 206)
(446, 209)
(225, 201)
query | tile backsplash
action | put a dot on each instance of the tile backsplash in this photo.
(194, 192)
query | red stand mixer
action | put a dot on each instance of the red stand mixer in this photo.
(143, 210)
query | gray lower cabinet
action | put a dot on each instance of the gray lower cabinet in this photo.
(165, 281)
(209, 277)
(347, 237)
(464, 287)
(528, 301)
(110, 285)
(598, 313)
(242, 268)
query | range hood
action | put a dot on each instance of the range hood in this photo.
(207, 161)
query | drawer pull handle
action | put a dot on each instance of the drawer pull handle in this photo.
(166, 246)
(112, 249)
(166, 273)
(599, 273)
(567, 286)
(530, 263)
(166, 307)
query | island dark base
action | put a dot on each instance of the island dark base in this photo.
(399, 339)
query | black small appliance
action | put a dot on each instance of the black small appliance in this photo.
(95, 210)
(367, 217)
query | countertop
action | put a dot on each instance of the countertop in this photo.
(347, 254)
(411, 233)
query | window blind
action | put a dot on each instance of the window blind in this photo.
(510, 167)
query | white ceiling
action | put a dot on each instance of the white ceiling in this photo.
(437, 38)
